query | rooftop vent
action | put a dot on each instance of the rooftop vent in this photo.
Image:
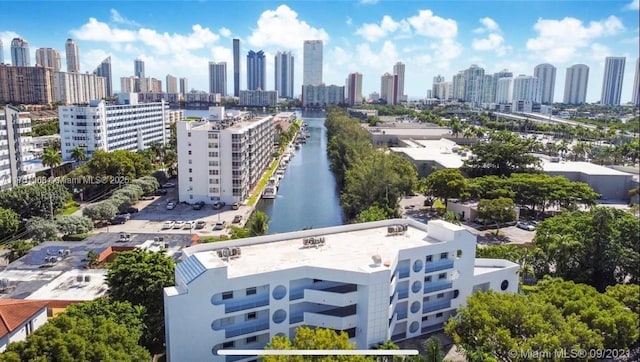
(377, 259)
(397, 229)
(235, 253)
(313, 241)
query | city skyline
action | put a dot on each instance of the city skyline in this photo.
(430, 39)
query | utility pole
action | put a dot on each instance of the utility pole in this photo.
(51, 206)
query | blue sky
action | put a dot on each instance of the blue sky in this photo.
(369, 36)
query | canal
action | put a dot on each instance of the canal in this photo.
(307, 196)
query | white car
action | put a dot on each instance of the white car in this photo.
(168, 224)
(178, 225)
(525, 226)
(171, 205)
(189, 225)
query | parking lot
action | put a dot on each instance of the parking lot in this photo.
(153, 214)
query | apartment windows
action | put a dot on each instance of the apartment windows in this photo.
(251, 315)
(190, 162)
(189, 135)
(440, 295)
(429, 258)
(213, 154)
(189, 152)
(213, 172)
(227, 295)
(212, 163)
(442, 276)
(427, 279)
(444, 255)
(28, 328)
(212, 136)
(251, 291)
(190, 170)
(230, 344)
(190, 179)
(213, 145)
(214, 190)
(251, 339)
(439, 315)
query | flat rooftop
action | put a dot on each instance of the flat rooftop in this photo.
(349, 250)
(586, 168)
(483, 266)
(440, 151)
(74, 285)
(415, 131)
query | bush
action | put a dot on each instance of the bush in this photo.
(77, 237)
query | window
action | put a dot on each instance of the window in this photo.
(190, 170)
(228, 344)
(442, 276)
(317, 280)
(444, 255)
(438, 315)
(251, 291)
(504, 285)
(190, 179)
(189, 135)
(190, 162)
(425, 318)
(29, 328)
(429, 258)
(251, 315)
(252, 339)
(227, 295)
(427, 279)
(440, 295)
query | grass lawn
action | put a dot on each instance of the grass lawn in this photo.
(262, 183)
(70, 207)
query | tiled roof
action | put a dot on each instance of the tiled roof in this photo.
(15, 312)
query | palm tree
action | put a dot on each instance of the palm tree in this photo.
(433, 350)
(51, 158)
(55, 145)
(78, 154)
(258, 223)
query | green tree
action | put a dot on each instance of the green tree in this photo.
(446, 184)
(9, 222)
(500, 210)
(626, 294)
(101, 211)
(258, 223)
(313, 338)
(42, 229)
(40, 199)
(148, 184)
(51, 158)
(78, 154)
(433, 350)
(504, 153)
(374, 213)
(139, 277)
(69, 224)
(19, 248)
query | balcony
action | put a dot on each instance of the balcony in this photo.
(432, 307)
(246, 303)
(432, 328)
(435, 286)
(246, 328)
(341, 296)
(438, 265)
(403, 293)
(337, 318)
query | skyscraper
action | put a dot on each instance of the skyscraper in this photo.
(575, 84)
(218, 78)
(458, 86)
(184, 86)
(312, 62)
(398, 69)
(138, 71)
(1, 53)
(236, 67)
(104, 70)
(504, 90)
(256, 75)
(48, 57)
(284, 74)
(172, 84)
(73, 56)
(612, 81)
(354, 86)
(527, 88)
(636, 86)
(388, 85)
(20, 56)
(546, 74)
(473, 82)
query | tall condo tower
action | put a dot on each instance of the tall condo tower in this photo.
(575, 84)
(354, 86)
(218, 78)
(284, 74)
(398, 69)
(256, 75)
(73, 56)
(312, 62)
(527, 88)
(546, 74)
(104, 70)
(636, 86)
(20, 56)
(48, 57)
(612, 81)
(184, 86)
(388, 86)
(172, 84)
(236, 67)
(138, 68)
(1, 53)
(473, 82)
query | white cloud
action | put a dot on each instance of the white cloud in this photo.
(119, 19)
(633, 5)
(553, 43)
(488, 25)
(281, 27)
(494, 41)
(225, 32)
(95, 30)
(377, 60)
(429, 25)
(599, 51)
(375, 32)
(349, 21)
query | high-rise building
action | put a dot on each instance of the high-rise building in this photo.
(504, 90)
(78, 88)
(138, 71)
(635, 99)
(546, 74)
(26, 85)
(20, 56)
(218, 78)
(488, 89)
(398, 70)
(612, 81)
(575, 84)
(172, 84)
(312, 62)
(388, 85)
(473, 84)
(385, 280)
(284, 74)
(128, 125)
(236, 67)
(104, 70)
(527, 88)
(458, 86)
(256, 71)
(184, 86)
(73, 56)
(48, 57)
(354, 86)
(17, 167)
(435, 86)
(1, 53)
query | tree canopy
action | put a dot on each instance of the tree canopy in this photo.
(313, 338)
(503, 154)
(39, 199)
(9, 222)
(445, 184)
(500, 210)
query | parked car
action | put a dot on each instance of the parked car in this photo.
(200, 224)
(235, 206)
(132, 210)
(168, 224)
(168, 185)
(188, 225)
(124, 215)
(525, 226)
(147, 198)
(118, 219)
(178, 225)
(171, 205)
(198, 205)
(220, 225)
(218, 205)
(160, 192)
(237, 219)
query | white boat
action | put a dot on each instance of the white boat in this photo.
(269, 192)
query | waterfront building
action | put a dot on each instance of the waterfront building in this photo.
(236, 68)
(238, 151)
(398, 70)
(284, 74)
(20, 56)
(26, 85)
(18, 164)
(124, 125)
(77, 88)
(458, 86)
(377, 281)
(435, 90)
(258, 98)
(612, 81)
(473, 83)
(546, 74)
(256, 71)
(1, 53)
(138, 72)
(504, 90)
(184, 86)
(322, 95)
(312, 62)
(635, 99)
(354, 89)
(172, 84)
(575, 84)
(104, 70)
(218, 78)
(48, 57)
(526, 88)
(73, 56)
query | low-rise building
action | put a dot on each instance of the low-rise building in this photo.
(322, 95)
(19, 318)
(378, 281)
(393, 134)
(432, 155)
(258, 98)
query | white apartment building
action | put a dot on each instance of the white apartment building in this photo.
(18, 164)
(76, 88)
(391, 279)
(258, 98)
(322, 95)
(223, 160)
(126, 125)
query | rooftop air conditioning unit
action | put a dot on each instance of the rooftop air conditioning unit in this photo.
(377, 259)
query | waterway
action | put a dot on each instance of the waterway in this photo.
(307, 196)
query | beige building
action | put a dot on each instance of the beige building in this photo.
(26, 85)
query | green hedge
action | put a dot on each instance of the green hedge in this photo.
(77, 237)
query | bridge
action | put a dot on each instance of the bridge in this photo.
(541, 118)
